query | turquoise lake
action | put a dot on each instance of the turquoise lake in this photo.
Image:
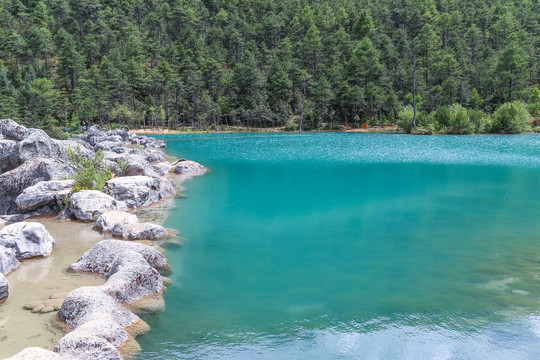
(354, 246)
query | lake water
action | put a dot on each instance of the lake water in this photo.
(354, 246)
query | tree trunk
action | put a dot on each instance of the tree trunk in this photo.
(414, 94)
(303, 98)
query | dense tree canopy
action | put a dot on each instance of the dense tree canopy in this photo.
(210, 63)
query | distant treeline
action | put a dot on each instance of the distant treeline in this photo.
(264, 63)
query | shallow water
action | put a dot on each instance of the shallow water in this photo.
(354, 246)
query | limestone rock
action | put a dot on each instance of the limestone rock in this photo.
(35, 353)
(8, 260)
(9, 158)
(88, 204)
(90, 303)
(93, 340)
(107, 145)
(13, 182)
(139, 191)
(27, 239)
(131, 278)
(73, 144)
(44, 193)
(140, 231)
(108, 220)
(188, 167)
(100, 258)
(30, 143)
(155, 155)
(4, 288)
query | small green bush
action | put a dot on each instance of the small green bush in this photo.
(405, 117)
(460, 122)
(511, 118)
(91, 173)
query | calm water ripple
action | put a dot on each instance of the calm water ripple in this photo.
(354, 246)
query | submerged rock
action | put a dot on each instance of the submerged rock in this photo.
(138, 191)
(140, 231)
(108, 220)
(100, 258)
(8, 260)
(43, 193)
(4, 288)
(86, 205)
(187, 167)
(27, 239)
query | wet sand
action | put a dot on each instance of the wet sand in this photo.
(37, 279)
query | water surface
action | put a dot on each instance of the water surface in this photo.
(354, 246)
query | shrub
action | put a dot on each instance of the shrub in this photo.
(480, 120)
(91, 173)
(405, 117)
(459, 120)
(511, 118)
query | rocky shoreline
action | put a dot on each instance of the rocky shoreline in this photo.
(103, 321)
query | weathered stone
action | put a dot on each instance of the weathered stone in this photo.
(187, 167)
(51, 192)
(100, 258)
(8, 260)
(86, 205)
(122, 133)
(108, 220)
(9, 158)
(107, 145)
(131, 278)
(27, 239)
(93, 340)
(154, 155)
(89, 303)
(140, 231)
(35, 353)
(31, 143)
(4, 288)
(161, 169)
(77, 145)
(13, 182)
(139, 191)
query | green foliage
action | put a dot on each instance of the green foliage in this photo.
(91, 173)
(534, 102)
(405, 118)
(511, 118)
(208, 64)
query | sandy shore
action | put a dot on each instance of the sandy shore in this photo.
(37, 279)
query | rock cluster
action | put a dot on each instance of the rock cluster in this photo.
(33, 169)
(27, 156)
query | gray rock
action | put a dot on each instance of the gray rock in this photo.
(13, 182)
(122, 133)
(107, 145)
(108, 220)
(35, 353)
(4, 288)
(139, 191)
(96, 339)
(162, 168)
(90, 303)
(188, 167)
(84, 149)
(86, 205)
(27, 239)
(131, 278)
(53, 192)
(9, 158)
(8, 260)
(155, 155)
(100, 258)
(140, 231)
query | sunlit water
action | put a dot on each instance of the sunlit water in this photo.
(354, 246)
